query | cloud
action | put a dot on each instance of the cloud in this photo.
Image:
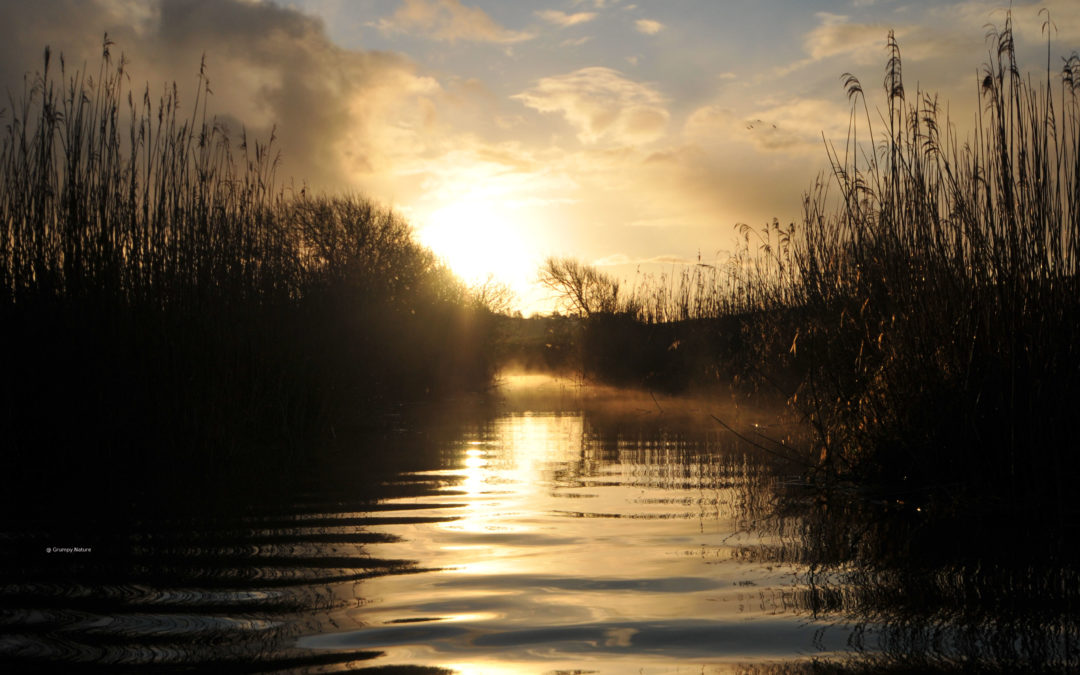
(948, 35)
(621, 259)
(338, 113)
(601, 104)
(566, 20)
(449, 21)
(709, 120)
(836, 35)
(598, 4)
(648, 26)
(1028, 20)
(792, 126)
(860, 43)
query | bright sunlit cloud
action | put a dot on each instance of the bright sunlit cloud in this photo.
(648, 26)
(565, 20)
(449, 20)
(601, 103)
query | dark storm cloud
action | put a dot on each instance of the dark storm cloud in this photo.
(269, 67)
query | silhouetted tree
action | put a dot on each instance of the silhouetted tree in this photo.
(494, 295)
(580, 288)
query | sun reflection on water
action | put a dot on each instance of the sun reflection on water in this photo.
(505, 484)
(552, 544)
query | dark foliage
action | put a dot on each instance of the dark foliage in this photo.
(172, 321)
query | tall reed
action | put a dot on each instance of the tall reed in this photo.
(758, 276)
(940, 287)
(136, 201)
(924, 315)
(159, 290)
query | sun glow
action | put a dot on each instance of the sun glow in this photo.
(480, 238)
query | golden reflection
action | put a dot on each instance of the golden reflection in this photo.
(490, 668)
(505, 486)
(640, 665)
(553, 544)
(473, 470)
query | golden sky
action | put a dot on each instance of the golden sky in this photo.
(633, 135)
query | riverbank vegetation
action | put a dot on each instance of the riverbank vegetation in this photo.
(942, 293)
(173, 319)
(923, 315)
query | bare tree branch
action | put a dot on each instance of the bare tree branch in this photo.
(580, 288)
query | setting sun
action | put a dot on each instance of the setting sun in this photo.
(479, 238)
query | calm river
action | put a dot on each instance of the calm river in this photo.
(556, 530)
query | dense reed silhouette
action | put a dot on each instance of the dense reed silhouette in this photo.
(923, 316)
(942, 296)
(172, 317)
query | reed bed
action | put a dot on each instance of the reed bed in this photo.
(173, 317)
(759, 275)
(941, 293)
(924, 314)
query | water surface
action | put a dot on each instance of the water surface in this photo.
(558, 530)
(554, 545)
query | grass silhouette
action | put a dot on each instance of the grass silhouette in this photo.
(173, 319)
(922, 316)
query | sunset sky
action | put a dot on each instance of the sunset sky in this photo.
(631, 134)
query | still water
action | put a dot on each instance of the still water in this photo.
(560, 530)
